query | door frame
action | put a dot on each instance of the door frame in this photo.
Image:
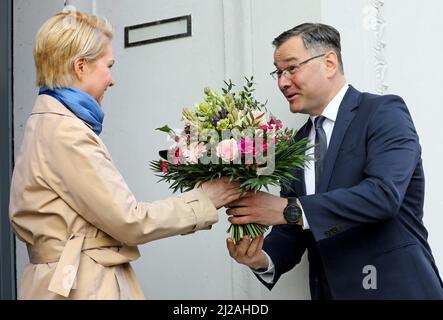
(7, 240)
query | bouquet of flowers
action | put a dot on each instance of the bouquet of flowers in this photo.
(231, 134)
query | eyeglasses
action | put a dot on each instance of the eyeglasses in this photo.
(291, 70)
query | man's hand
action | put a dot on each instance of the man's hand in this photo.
(248, 252)
(260, 207)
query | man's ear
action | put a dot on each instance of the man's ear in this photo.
(331, 61)
(79, 68)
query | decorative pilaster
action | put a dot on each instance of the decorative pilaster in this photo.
(374, 21)
(381, 64)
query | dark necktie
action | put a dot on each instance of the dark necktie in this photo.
(321, 147)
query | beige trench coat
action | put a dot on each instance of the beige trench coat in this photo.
(77, 216)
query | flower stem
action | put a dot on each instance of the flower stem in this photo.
(252, 230)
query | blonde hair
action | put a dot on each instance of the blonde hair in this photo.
(62, 39)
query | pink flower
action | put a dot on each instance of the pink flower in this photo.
(246, 146)
(227, 150)
(178, 154)
(248, 163)
(164, 167)
(194, 152)
(263, 146)
(276, 122)
(271, 132)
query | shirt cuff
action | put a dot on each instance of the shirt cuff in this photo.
(305, 221)
(268, 275)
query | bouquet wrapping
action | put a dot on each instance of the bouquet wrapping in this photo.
(231, 134)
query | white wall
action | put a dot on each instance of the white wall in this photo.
(232, 39)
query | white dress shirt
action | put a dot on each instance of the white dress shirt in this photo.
(330, 113)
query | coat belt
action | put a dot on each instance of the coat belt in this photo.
(67, 254)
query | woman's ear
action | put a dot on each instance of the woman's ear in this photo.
(79, 68)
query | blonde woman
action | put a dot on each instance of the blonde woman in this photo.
(69, 203)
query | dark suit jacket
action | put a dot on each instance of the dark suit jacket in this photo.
(366, 237)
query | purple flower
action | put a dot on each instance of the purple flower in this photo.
(222, 113)
(215, 120)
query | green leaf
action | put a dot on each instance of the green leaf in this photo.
(165, 128)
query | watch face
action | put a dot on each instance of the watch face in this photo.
(292, 213)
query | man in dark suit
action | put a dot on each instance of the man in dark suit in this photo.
(358, 210)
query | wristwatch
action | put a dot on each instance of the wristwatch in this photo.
(292, 212)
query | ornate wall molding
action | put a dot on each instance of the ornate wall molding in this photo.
(381, 64)
(373, 20)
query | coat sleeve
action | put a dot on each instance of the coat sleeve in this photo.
(393, 152)
(80, 170)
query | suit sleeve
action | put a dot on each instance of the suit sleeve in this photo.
(285, 245)
(84, 176)
(393, 152)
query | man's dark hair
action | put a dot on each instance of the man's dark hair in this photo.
(317, 39)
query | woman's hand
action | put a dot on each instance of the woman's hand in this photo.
(221, 192)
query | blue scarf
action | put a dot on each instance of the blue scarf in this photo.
(80, 103)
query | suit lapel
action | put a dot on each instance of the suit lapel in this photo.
(344, 118)
(299, 185)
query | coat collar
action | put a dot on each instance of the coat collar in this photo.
(47, 104)
(346, 113)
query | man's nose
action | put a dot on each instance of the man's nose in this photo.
(283, 82)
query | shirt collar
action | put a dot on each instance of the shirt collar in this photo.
(331, 110)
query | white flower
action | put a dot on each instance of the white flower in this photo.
(194, 152)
